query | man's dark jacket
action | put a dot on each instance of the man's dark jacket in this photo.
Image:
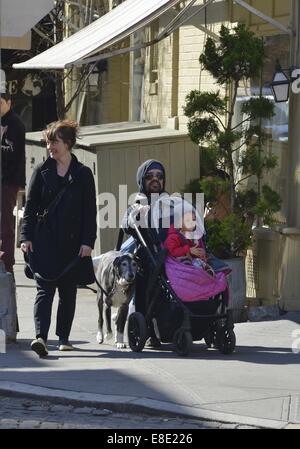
(13, 150)
(72, 223)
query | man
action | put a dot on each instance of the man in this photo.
(12, 175)
(150, 179)
(151, 182)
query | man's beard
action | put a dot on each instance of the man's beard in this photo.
(155, 186)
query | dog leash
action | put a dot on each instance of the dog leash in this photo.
(28, 260)
(101, 288)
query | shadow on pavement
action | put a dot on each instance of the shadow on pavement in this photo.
(20, 355)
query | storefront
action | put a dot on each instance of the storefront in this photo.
(33, 94)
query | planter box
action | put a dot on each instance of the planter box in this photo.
(8, 305)
(273, 270)
(237, 287)
(262, 275)
(288, 276)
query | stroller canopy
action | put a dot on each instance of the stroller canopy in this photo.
(169, 209)
(190, 283)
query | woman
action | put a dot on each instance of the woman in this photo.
(59, 225)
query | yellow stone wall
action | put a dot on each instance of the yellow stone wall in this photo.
(110, 101)
(277, 9)
(114, 97)
(179, 70)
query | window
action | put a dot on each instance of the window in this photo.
(277, 126)
(154, 53)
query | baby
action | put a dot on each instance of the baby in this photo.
(181, 246)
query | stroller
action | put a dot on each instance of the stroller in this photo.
(159, 309)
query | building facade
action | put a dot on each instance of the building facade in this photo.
(161, 76)
(150, 84)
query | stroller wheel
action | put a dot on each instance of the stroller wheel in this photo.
(183, 342)
(211, 340)
(226, 341)
(211, 336)
(137, 332)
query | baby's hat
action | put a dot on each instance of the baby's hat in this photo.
(179, 211)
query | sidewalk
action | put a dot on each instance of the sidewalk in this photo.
(259, 384)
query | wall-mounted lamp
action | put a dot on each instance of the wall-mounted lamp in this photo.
(281, 81)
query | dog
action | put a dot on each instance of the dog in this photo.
(115, 274)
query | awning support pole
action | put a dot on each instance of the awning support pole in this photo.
(263, 16)
(166, 32)
(170, 30)
(178, 16)
(118, 52)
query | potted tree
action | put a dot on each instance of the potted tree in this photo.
(232, 153)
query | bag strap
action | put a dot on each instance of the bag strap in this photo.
(60, 194)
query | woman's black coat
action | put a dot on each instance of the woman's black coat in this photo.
(72, 223)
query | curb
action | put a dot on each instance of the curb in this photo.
(131, 404)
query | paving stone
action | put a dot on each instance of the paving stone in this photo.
(61, 408)
(103, 412)
(69, 426)
(47, 415)
(50, 425)
(38, 408)
(29, 424)
(228, 426)
(84, 410)
(9, 423)
(192, 426)
(28, 403)
(211, 424)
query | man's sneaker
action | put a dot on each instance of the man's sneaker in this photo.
(39, 346)
(153, 342)
(65, 345)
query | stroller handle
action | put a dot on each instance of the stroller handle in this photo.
(141, 238)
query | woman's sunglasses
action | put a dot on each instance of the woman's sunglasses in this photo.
(150, 176)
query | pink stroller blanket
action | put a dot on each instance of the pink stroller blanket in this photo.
(193, 283)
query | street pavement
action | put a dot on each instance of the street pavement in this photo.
(258, 385)
(24, 413)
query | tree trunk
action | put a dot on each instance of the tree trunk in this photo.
(231, 164)
(60, 104)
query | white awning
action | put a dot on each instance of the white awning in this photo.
(109, 29)
(84, 46)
